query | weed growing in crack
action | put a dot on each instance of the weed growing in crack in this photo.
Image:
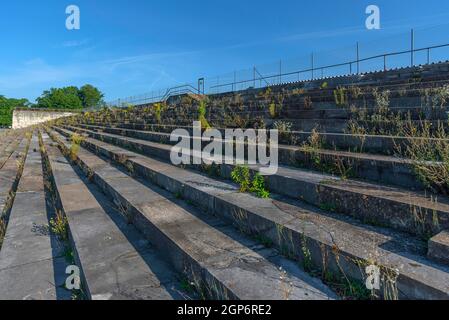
(158, 109)
(2, 230)
(76, 140)
(242, 176)
(187, 285)
(436, 97)
(285, 132)
(263, 240)
(343, 168)
(286, 285)
(202, 110)
(340, 96)
(124, 210)
(382, 100)
(212, 170)
(272, 110)
(241, 219)
(258, 186)
(429, 154)
(307, 256)
(313, 145)
(205, 289)
(59, 226)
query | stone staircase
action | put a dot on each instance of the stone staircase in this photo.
(100, 192)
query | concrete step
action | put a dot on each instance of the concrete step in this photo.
(376, 144)
(408, 211)
(329, 126)
(439, 247)
(9, 147)
(10, 174)
(323, 125)
(116, 262)
(219, 266)
(329, 242)
(30, 266)
(416, 108)
(293, 112)
(377, 168)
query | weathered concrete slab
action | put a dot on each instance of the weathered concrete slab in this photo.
(113, 269)
(359, 199)
(23, 118)
(439, 247)
(27, 249)
(376, 144)
(203, 253)
(377, 168)
(300, 225)
(9, 175)
(6, 149)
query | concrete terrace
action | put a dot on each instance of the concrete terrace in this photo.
(361, 184)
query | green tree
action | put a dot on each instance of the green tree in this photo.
(90, 96)
(6, 108)
(63, 98)
(69, 98)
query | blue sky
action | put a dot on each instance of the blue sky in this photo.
(135, 46)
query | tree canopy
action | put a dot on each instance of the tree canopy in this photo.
(70, 98)
(56, 98)
(90, 96)
(6, 108)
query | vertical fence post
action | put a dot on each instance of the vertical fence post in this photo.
(313, 62)
(234, 83)
(428, 55)
(358, 58)
(385, 62)
(218, 84)
(254, 77)
(280, 71)
(412, 48)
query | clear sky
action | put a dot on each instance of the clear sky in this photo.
(134, 46)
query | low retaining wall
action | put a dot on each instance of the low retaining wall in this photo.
(23, 118)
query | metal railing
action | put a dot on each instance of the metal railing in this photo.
(179, 90)
(312, 70)
(161, 96)
(275, 74)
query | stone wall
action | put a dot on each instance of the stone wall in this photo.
(23, 118)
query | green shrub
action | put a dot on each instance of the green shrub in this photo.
(59, 226)
(340, 96)
(75, 146)
(158, 109)
(202, 109)
(241, 175)
(258, 186)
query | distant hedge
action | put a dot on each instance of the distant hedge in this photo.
(6, 108)
(5, 117)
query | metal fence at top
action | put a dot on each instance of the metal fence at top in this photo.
(417, 47)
